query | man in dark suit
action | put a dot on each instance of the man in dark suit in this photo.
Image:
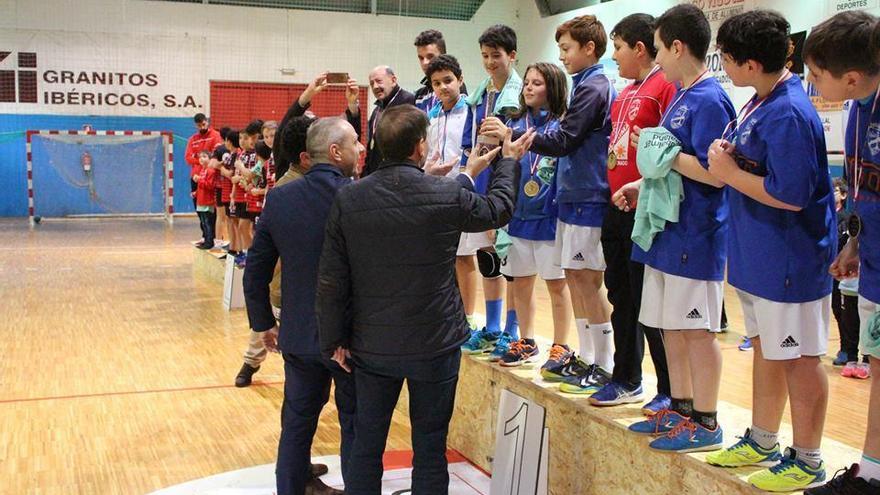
(291, 227)
(387, 292)
(383, 84)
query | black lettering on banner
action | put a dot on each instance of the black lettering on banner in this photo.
(143, 100)
(127, 99)
(67, 76)
(135, 79)
(152, 80)
(190, 102)
(115, 97)
(83, 78)
(88, 98)
(170, 101)
(57, 98)
(99, 78)
(73, 97)
(50, 76)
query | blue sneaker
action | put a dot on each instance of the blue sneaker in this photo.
(657, 404)
(659, 424)
(690, 437)
(501, 347)
(613, 394)
(841, 359)
(481, 341)
(746, 344)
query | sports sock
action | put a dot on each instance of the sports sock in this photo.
(470, 321)
(685, 407)
(603, 343)
(511, 325)
(708, 420)
(765, 439)
(493, 316)
(585, 341)
(810, 457)
(869, 468)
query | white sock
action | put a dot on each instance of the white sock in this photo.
(766, 439)
(869, 468)
(603, 343)
(812, 457)
(585, 341)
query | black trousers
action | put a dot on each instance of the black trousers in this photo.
(306, 390)
(431, 384)
(207, 222)
(846, 313)
(623, 279)
(193, 185)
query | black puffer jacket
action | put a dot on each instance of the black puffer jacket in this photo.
(386, 282)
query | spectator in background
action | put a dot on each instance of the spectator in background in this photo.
(383, 84)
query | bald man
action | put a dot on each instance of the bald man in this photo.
(383, 84)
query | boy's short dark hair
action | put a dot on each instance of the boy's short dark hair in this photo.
(199, 118)
(232, 137)
(499, 36)
(254, 128)
(263, 150)
(223, 132)
(584, 29)
(688, 24)
(843, 43)
(637, 27)
(444, 62)
(293, 137)
(759, 35)
(431, 37)
(399, 132)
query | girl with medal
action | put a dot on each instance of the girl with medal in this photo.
(533, 226)
(773, 159)
(841, 56)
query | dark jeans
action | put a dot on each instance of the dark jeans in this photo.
(623, 279)
(846, 313)
(207, 221)
(306, 390)
(431, 384)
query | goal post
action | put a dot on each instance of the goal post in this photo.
(72, 173)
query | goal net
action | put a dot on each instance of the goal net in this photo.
(94, 173)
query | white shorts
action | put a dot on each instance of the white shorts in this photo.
(787, 330)
(868, 344)
(579, 247)
(526, 258)
(471, 242)
(671, 302)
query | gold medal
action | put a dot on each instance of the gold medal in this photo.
(531, 188)
(612, 160)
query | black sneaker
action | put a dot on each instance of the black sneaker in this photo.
(847, 482)
(245, 374)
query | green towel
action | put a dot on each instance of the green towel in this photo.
(502, 243)
(661, 192)
(508, 99)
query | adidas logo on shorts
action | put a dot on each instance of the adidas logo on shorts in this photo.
(694, 315)
(789, 342)
(578, 257)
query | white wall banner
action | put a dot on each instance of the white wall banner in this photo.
(76, 73)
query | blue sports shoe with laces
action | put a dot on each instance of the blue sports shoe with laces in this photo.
(688, 437)
(481, 341)
(659, 424)
(657, 404)
(501, 347)
(613, 394)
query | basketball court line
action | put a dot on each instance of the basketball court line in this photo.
(134, 392)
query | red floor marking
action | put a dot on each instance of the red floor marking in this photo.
(135, 392)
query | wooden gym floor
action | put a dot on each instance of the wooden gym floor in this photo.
(117, 365)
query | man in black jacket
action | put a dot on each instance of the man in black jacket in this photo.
(291, 227)
(400, 313)
(383, 84)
